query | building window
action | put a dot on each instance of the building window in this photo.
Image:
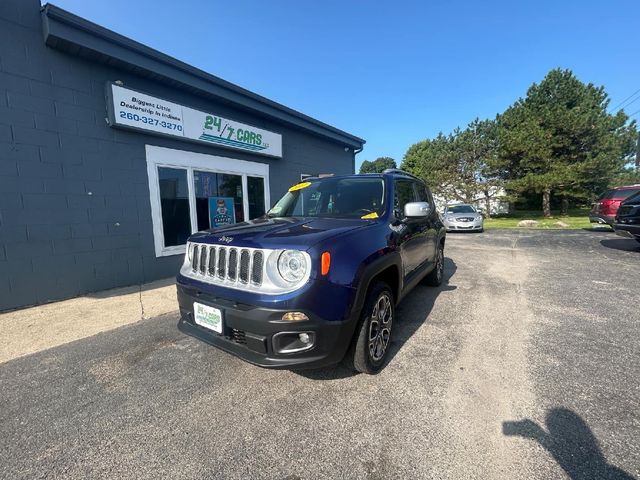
(255, 187)
(211, 187)
(191, 192)
(174, 203)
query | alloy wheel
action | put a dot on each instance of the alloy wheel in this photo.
(380, 327)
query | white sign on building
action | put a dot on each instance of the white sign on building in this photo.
(140, 111)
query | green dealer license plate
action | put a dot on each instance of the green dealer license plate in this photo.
(208, 317)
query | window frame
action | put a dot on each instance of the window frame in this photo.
(162, 157)
(395, 210)
(421, 188)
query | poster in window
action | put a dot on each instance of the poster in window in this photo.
(221, 211)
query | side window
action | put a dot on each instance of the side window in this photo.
(404, 193)
(421, 192)
(431, 201)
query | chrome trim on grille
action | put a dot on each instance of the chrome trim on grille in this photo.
(211, 270)
(232, 264)
(194, 258)
(258, 265)
(221, 263)
(240, 268)
(244, 266)
(227, 264)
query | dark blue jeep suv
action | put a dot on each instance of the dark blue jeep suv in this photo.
(315, 280)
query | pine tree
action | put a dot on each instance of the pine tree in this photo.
(561, 139)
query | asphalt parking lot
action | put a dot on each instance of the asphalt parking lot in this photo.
(525, 364)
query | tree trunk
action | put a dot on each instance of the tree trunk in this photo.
(565, 206)
(546, 202)
(487, 200)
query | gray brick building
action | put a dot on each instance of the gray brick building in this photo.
(111, 153)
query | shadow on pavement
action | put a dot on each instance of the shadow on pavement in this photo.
(571, 443)
(624, 244)
(411, 313)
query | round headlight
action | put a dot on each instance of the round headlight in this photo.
(292, 265)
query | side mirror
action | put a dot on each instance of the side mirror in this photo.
(417, 209)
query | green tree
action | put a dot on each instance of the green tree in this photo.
(433, 161)
(378, 165)
(561, 139)
(477, 175)
(629, 176)
(460, 166)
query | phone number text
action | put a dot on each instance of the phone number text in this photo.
(150, 121)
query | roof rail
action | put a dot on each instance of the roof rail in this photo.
(400, 172)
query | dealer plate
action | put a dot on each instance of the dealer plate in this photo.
(208, 317)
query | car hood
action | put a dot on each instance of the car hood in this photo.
(291, 232)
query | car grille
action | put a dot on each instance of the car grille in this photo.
(238, 336)
(465, 219)
(227, 264)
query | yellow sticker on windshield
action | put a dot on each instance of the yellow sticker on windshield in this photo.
(370, 215)
(299, 186)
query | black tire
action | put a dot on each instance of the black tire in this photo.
(370, 346)
(435, 276)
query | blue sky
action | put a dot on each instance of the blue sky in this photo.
(392, 72)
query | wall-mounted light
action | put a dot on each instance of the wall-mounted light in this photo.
(346, 149)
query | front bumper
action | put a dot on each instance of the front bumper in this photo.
(248, 332)
(627, 231)
(468, 226)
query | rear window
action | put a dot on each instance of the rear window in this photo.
(619, 194)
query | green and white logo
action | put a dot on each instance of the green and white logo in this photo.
(218, 130)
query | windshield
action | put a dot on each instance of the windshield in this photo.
(333, 197)
(461, 209)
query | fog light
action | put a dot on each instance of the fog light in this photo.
(293, 342)
(304, 338)
(294, 317)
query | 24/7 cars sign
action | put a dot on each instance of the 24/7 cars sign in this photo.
(141, 111)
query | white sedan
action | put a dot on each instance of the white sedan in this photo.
(463, 217)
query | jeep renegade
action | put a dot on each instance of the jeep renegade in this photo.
(316, 280)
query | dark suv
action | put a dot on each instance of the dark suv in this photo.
(627, 222)
(318, 277)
